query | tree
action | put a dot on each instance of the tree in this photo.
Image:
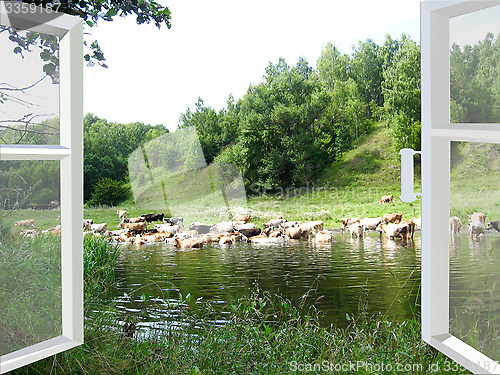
(366, 70)
(333, 66)
(401, 90)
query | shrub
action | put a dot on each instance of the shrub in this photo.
(108, 192)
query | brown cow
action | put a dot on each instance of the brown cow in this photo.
(386, 199)
(188, 243)
(392, 218)
(133, 226)
(295, 232)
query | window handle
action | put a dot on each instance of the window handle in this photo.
(407, 193)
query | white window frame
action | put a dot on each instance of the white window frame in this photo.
(437, 135)
(69, 29)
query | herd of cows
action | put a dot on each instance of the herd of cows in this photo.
(171, 230)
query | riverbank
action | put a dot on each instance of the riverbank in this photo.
(264, 334)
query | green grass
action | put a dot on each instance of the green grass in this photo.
(264, 334)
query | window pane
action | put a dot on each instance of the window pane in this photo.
(475, 67)
(474, 273)
(30, 253)
(29, 88)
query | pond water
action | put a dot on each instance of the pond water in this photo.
(372, 275)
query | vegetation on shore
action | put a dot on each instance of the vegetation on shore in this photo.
(263, 334)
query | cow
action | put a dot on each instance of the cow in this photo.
(312, 227)
(53, 204)
(392, 218)
(135, 220)
(274, 222)
(296, 232)
(348, 221)
(99, 228)
(153, 217)
(476, 227)
(223, 227)
(290, 224)
(418, 223)
(87, 223)
(249, 232)
(174, 221)
(455, 225)
(167, 228)
(494, 225)
(386, 199)
(122, 214)
(406, 230)
(25, 223)
(200, 228)
(371, 223)
(244, 226)
(323, 236)
(244, 218)
(188, 243)
(136, 227)
(391, 230)
(477, 216)
(356, 228)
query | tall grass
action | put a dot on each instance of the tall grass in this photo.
(262, 334)
(99, 264)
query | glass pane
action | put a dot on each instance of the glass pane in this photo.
(475, 67)
(29, 88)
(475, 248)
(30, 253)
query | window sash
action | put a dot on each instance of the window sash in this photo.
(70, 152)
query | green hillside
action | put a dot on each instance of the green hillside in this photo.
(372, 162)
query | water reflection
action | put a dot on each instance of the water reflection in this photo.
(474, 295)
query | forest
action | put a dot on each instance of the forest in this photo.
(287, 129)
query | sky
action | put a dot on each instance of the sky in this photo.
(217, 48)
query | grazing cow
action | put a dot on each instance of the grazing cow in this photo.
(224, 227)
(348, 221)
(386, 199)
(167, 228)
(477, 216)
(455, 225)
(274, 222)
(53, 204)
(141, 226)
(25, 223)
(188, 243)
(135, 220)
(244, 218)
(312, 227)
(244, 226)
(476, 228)
(153, 217)
(494, 225)
(296, 232)
(122, 214)
(250, 232)
(200, 228)
(392, 218)
(30, 233)
(290, 224)
(174, 221)
(54, 230)
(357, 228)
(87, 223)
(99, 228)
(371, 223)
(323, 236)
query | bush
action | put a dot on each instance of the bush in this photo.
(108, 192)
(405, 132)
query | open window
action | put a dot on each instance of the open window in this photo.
(448, 127)
(41, 184)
